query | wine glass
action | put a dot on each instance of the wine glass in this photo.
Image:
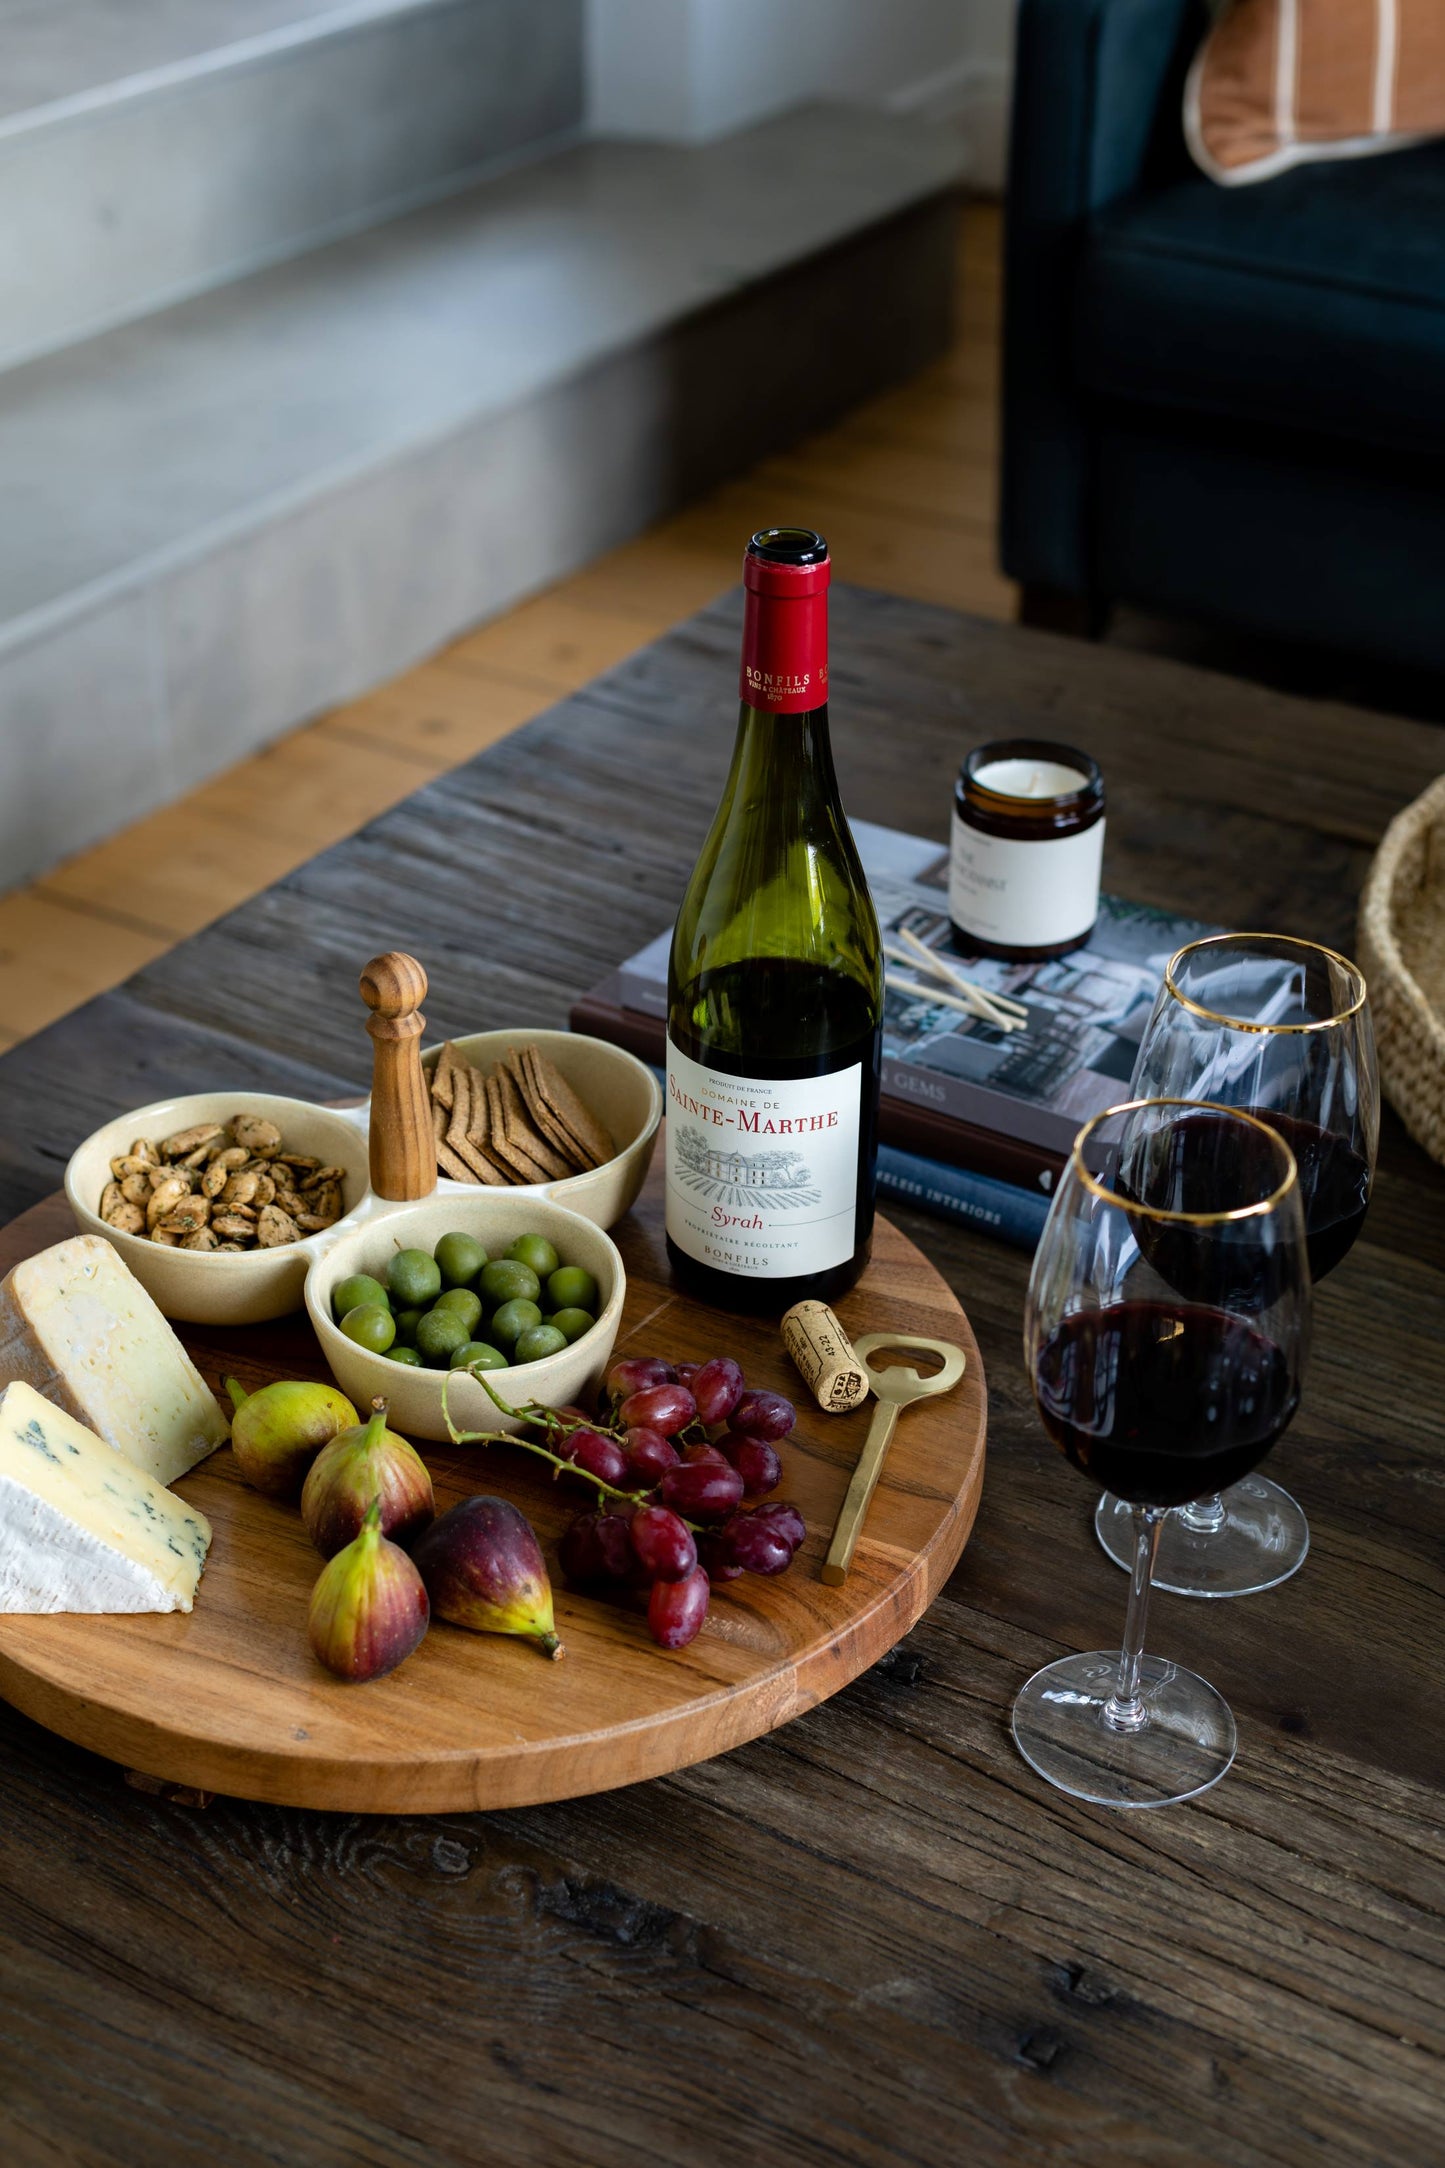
(1167, 1316)
(1280, 1027)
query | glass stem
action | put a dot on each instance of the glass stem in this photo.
(1205, 1516)
(1125, 1710)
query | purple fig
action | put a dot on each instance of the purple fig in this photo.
(361, 1464)
(483, 1569)
(277, 1432)
(369, 1609)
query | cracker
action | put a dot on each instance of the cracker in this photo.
(449, 1164)
(527, 1169)
(538, 1114)
(476, 1147)
(466, 1087)
(447, 1160)
(522, 1131)
(570, 1150)
(441, 1077)
(574, 1116)
(550, 1124)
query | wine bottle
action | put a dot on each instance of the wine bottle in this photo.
(775, 983)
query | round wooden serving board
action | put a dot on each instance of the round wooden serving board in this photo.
(230, 1699)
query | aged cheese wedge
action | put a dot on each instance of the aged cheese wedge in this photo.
(82, 1528)
(77, 1326)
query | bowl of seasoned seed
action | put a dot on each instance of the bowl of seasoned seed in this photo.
(220, 1201)
(566, 1116)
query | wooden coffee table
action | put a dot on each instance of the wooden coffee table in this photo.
(872, 1936)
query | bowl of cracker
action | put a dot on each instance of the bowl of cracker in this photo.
(570, 1117)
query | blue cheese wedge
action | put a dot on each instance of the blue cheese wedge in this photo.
(81, 1528)
(77, 1326)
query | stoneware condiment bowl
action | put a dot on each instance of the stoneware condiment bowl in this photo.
(621, 1091)
(495, 1217)
(204, 1287)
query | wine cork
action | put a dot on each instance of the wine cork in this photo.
(819, 1348)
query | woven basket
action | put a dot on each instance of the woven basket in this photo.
(1402, 954)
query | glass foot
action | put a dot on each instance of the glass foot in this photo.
(1185, 1745)
(1261, 1539)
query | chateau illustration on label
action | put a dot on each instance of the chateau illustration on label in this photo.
(719, 1174)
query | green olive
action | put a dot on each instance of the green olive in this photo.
(572, 1323)
(536, 1252)
(353, 1293)
(407, 1355)
(477, 1355)
(371, 1325)
(511, 1319)
(538, 1342)
(507, 1279)
(439, 1335)
(570, 1288)
(406, 1324)
(414, 1279)
(467, 1306)
(460, 1258)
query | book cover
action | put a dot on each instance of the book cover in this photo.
(954, 1088)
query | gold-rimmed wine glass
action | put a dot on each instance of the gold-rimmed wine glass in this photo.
(1165, 1330)
(1281, 1027)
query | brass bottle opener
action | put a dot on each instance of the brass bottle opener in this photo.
(895, 1388)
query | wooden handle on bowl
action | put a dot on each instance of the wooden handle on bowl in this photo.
(403, 1151)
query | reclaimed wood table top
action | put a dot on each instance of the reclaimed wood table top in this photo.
(873, 1936)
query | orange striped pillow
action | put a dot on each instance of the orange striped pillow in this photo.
(1277, 82)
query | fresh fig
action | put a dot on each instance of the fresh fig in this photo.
(483, 1569)
(370, 1608)
(277, 1432)
(361, 1464)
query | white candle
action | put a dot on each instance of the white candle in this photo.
(1029, 779)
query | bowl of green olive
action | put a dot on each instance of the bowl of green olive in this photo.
(501, 1285)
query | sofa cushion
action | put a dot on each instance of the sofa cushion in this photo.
(1279, 82)
(1317, 303)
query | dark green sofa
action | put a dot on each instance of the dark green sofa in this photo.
(1221, 403)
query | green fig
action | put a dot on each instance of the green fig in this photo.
(369, 1609)
(366, 1463)
(483, 1568)
(277, 1432)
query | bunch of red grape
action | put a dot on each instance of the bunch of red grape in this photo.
(683, 1524)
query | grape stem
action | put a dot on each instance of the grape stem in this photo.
(535, 1412)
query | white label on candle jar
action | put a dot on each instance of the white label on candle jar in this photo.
(1024, 894)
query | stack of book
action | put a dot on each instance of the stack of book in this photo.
(975, 1123)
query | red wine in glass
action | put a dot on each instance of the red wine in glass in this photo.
(1160, 1402)
(1334, 1184)
(1280, 1027)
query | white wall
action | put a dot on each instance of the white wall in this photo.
(688, 70)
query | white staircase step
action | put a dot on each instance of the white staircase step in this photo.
(151, 149)
(266, 499)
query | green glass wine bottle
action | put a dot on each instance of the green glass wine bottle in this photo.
(775, 984)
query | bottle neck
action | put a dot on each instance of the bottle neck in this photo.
(782, 767)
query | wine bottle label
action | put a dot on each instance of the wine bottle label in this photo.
(1024, 894)
(762, 1175)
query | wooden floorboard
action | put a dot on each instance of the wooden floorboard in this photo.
(905, 489)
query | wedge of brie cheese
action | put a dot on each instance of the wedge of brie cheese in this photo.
(82, 1528)
(78, 1327)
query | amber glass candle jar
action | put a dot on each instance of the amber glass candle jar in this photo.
(1028, 844)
